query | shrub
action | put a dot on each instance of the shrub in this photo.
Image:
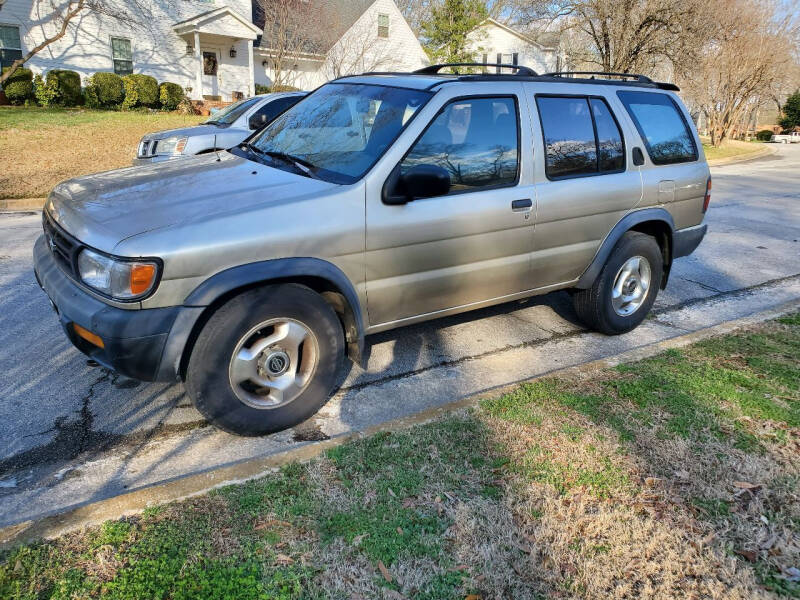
(269, 89)
(19, 87)
(140, 90)
(68, 85)
(105, 90)
(764, 135)
(170, 95)
(46, 94)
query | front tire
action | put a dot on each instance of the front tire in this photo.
(266, 360)
(626, 288)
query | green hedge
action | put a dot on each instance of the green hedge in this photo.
(105, 90)
(764, 135)
(170, 95)
(68, 85)
(140, 90)
(269, 89)
(19, 87)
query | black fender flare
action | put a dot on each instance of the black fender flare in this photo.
(230, 280)
(625, 224)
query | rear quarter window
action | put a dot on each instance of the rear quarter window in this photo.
(662, 126)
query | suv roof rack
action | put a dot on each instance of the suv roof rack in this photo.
(434, 69)
(636, 77)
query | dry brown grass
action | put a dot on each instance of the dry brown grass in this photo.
(39, 147)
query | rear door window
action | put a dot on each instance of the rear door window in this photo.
(662, 126)
(581, 137)
(610, 149)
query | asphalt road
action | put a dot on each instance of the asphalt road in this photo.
(71, 432)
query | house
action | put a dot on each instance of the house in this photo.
(212, 48)
(494, 42)
(336, 37)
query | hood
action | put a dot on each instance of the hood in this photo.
(103, 209)
(187, 132)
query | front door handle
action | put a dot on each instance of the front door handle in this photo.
(522, 205)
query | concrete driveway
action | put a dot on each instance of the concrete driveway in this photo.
(71, 432)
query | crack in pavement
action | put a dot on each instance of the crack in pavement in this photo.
(704, 285)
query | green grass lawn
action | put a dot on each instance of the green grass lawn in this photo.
(673, 477)
(39, 147)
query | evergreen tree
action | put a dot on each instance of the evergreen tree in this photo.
(445, 34)
(791, 112)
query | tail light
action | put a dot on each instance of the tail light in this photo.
(707, 199)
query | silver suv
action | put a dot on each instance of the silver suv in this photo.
(377, 201)
(223, 129)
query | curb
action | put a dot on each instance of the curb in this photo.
(22, 204)
(721, 162)
(192, 485)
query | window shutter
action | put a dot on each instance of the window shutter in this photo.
(485, 60)
(499, 60)
(515, 58)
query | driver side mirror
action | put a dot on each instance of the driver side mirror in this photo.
(420, 181)
(257, 121)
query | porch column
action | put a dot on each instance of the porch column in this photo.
(251, 91)
(198, 83)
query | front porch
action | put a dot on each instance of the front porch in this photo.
(221, 45)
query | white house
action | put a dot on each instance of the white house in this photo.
(345, 37)
(207, 46)
(493, 42)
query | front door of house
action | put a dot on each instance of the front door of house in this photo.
(211, 57)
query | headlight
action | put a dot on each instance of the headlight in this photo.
(120, 279)
(171, 145)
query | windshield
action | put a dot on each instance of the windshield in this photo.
(339, 131)
(229, 114)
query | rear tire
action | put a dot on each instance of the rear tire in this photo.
(626, 288)
(266, 360)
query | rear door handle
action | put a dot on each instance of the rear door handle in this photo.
(522, 205)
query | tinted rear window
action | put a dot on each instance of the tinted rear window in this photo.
(581, 137)
(662, 126)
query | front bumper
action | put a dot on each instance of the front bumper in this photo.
(145, 344)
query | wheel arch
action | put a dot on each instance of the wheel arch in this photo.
(321, 276)
(656, 222)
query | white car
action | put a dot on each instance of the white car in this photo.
(224, 129)
(786, 138)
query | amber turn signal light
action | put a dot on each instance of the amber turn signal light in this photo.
(142, 278)
(90, 337)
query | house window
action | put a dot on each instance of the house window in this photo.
(507, 59)
(122, 56)
(383, 26)
(10, 48)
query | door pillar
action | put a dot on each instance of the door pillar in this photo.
(198, 54)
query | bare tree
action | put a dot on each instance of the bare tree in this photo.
(745, 61)
(290, 30)
(622, 35)
(56, 19)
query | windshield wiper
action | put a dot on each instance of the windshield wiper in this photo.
(300, 163)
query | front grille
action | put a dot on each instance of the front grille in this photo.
(147, 148)
(64, 247)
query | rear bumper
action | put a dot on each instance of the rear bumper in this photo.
(145, 344)
(686, 241)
